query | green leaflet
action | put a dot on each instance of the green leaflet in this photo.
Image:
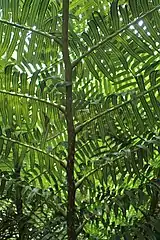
(48, 163)
(5, 6)
(40, 180)
(145, 105)
(145, 37)
(148, 111)
(21, 45)
(32, 47)
(87, 39)
(124, 13)
(100, 65)
(32, 84)
(139, 119)
(22, 156)
(151, 30)
(13, 43)
(133, 161)
(156, 2)
(8, 77)
(40, 161)
(1, 32)
(48, 49)
(152, 77)
(111, 124)
(74, 46)
(15, 10)
(8, 148)
(155, 104)
(100, 23)
(4, 46)
(144, 5)
(15, 81)
(24, 84)
(91, 67)
(119, 54)
(34, 12)
(94, 30)
(18, 108)
(54, 12)
(34, 113)
(133, 4)
(140, 42)
(25, 11)
(10, 111)
(15, 150)
(114, 15)
(128, 166)
(108, 61)
(41, 13)
(3, 111)
(127, 114)
(120, 121)
(32, 158)
(156, 17)
(128, 48)
(112, 171)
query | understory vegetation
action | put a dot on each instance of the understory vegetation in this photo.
(79, 119)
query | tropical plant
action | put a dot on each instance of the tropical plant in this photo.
(79, 119)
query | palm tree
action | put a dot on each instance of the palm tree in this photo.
(80, 115)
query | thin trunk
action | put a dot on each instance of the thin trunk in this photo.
(70, 126)
(18, 203)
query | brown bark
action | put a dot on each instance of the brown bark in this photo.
(70, 127)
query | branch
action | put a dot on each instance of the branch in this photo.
(45, 34)
(60, 107)
(36, 149)
(81, 126)
(79, 182)
(95, 47)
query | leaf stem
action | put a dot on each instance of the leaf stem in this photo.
(53, 104)
(81, 126)
(80, 181)
(34, 148)
(45, 34)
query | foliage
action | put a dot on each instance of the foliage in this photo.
(114, 52)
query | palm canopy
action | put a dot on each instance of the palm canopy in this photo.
(114, 52)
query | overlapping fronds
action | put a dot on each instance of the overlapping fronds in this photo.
(29, 31)
(33, 145)
(29, 117)
(118, 148)
(119, 131)
(116, 107)
(120, 46)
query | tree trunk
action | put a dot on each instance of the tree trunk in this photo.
(70, 127)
